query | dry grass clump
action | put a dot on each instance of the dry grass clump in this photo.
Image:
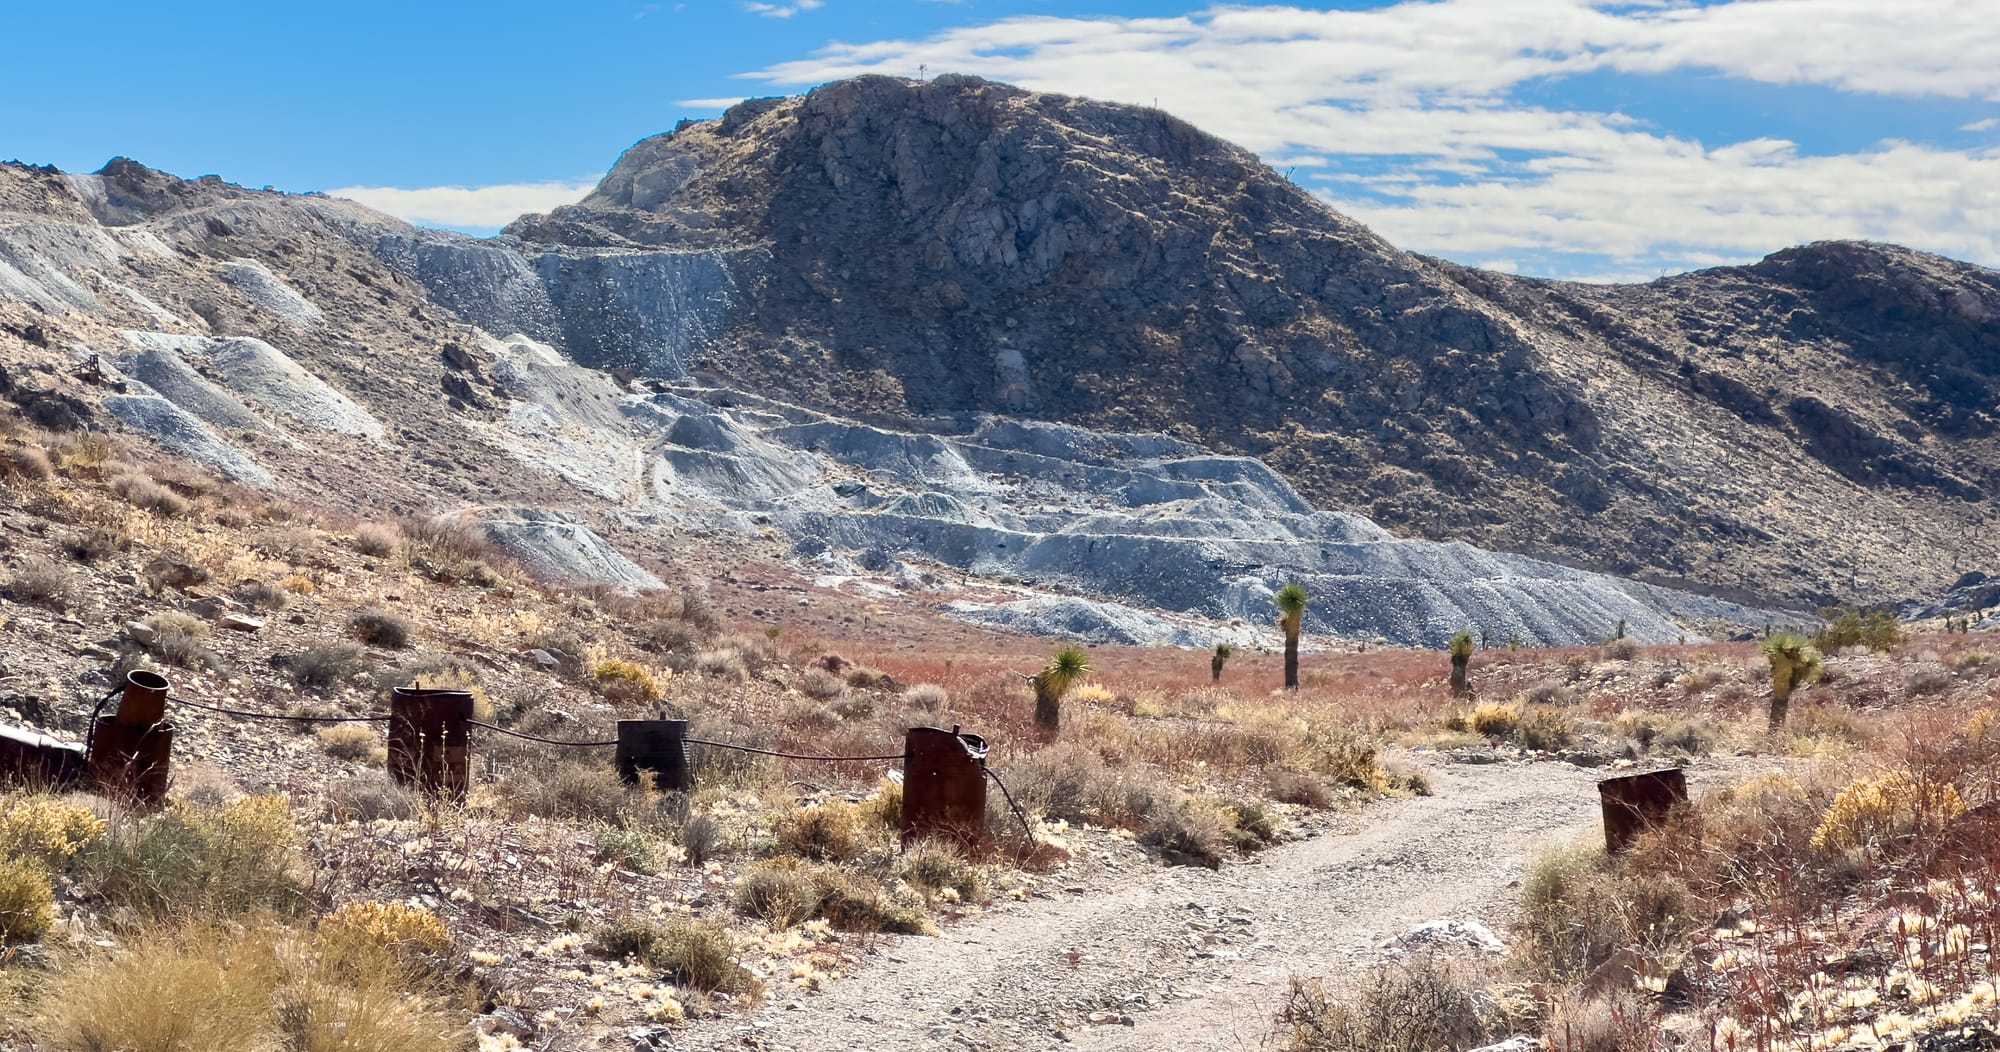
(323, 667)
(26, 464)
(699, 955)
(399, 928)
(27, 900)
(576, 792)
(941, 868)
(94, 545)
(624, 682)
(262, 595)
(927, 697)
(378, 540)
(181, 639)
(142, 492)
(378, 627)
(826, 832)
(1622, 650)
(778, 892)
(38, 581)
(349, 741)
(1422, 1004)
(821, 685)
(1073, 783)
(1207, 831)
(234, 858)
(722, 664)
(450, 551)
(368, 796)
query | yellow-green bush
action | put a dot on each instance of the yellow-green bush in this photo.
(1494, 719)
(27, 902)
(1893, 805)
(235, 858)
(828, 832)
(393, 926)
(46, 828)
(622, 681)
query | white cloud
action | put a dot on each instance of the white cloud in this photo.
(1419, 101)
(709, 104)
(467, 207)
(783, 10)
(1988, 124)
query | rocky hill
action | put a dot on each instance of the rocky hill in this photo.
(899, 335)
(1820, 425)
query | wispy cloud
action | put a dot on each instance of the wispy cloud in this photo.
(467, 207)
(1419, 113)
(783, 10)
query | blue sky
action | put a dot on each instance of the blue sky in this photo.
(1573, 138)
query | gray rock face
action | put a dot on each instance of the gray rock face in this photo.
(146, 412)
(557, 548)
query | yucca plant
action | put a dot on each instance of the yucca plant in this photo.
(1066, 669)
(1291, 600)
(1223, 652)
(1461, 659)
(1794, 662)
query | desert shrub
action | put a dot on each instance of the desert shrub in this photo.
(699, 610)
(165, 992)
(1298, 787)
(821, 685)
(928, 697)
(323, 667)
(1420, 1004)
(722, 664)
(298, 584)
(853, 901)
(367, 797)
(828, 832)
(349, 741)
(40, 582)
(1494, 720)
(624, 682)
(1622, 650)
(1195, 833)
(446, 538)
(26, 464)
(777, 892)
(45, 829)
(262, 595)
(1069, 782)
(700, 838)
(862, 677)
(1570, 918)
(140, 491)
(1550, 694)
(1544, 728)
(378, 540)
(234, 858)
(1256, 826)
(1872, 810)
(573, 792)
(938, 866)
(27, 901)
(94, 545)
(292, 544)
(696, 954)
(1848, 627)
(393, 926)
(378, 627)
(181, 639)
(667, 636)
(627, 848)
(1927, 677)
(1702, 680)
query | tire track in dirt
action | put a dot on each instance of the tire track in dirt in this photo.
(1198, 960)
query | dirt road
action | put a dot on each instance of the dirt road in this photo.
(1179, 958)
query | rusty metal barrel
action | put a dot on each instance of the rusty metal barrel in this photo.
(428, 739)
(944, 787)
(659, 746)
(1638, 802)
(131, 750)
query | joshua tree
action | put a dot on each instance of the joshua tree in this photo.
(1461, 656)
(1065, 670)
(1621, 628)
(1291, 600)
(1793, 662)
(1223, 652)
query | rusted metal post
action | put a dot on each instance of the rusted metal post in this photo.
(944, 787)
(429, 739)
(659, 746)
(1638, 802)
(131, 751)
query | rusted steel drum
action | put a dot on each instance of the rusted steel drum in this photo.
(1638, 802)
(944, 787)
(659, 746)
(428, 739)
(144, 701)
(132, 760)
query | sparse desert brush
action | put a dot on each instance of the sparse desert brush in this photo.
(938, 867)
(40, 582)
(142, 492)
(1193, 833)
(1874, 810)
(323, 667)
(379, 627)
(45, 828)
(27, 900)
(180, 640)
(826, 832)
(885, 808)
(1495, 719)
(568, 791)
(234, 858)
(1622, 650)
(722, 664)
(262, 595)
(665, 636)
(1848, 627)
(377, 540)
(451, 674)
(927, 697)
(1418, 1004)
(625, 682)
(821, 685)
(84, 452)
(854, 901)
(165, 991)
(349, 741)
(778, 892)
(1544, 728)
(26, 464)
(1093, 694)
(95, 544)
(401, 929)
(298, 584)
(1299, 787)
(699, 955)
